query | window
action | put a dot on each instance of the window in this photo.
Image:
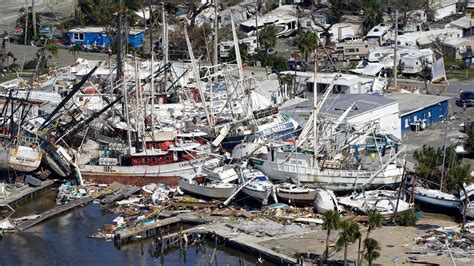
(407, 124)
(167, 158)
(145, 160)
(153, 160)
(78, 36)
(429, 114)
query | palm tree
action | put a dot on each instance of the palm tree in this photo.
(375, 220)
(307, 42)
(330, 222)
(373, 14)
(74, 50)
(461, 176)
(349, 234)
(372, 250)
(268, 37)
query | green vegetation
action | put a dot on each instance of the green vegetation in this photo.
(331, 220)
(375, 220)
(267, 37)
(407, 218)
(460, 176)
(307, 42)
(469, 145)
(373, 15)
(350, 232)
(372, 247)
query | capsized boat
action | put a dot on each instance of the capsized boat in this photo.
(201, 185)
(292, 193)
(436, 198)
(384, 201)
(325, 201)
(259, 186)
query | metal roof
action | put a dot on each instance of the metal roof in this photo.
(409, 102)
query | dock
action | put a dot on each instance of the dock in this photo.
(248, 244)
(53, 212)
(26, 193)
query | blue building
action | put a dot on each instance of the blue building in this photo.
(96, 37)
(418, 109)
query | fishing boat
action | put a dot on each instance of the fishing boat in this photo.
(292, 193)
(436, 198)
(25, 159)
(325, 201)
(384, 201)
(259, 186)
(203, 186)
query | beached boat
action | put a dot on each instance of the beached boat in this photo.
(201, 185)
(259, 186)
(293, 193)
(385, 201)
(470, 201)
(436, 198)
(325, 201)
(25, 159)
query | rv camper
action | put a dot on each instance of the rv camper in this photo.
(352, 50)
(413, 62)
(251, 42)
(379, 34)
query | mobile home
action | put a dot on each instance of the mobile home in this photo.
(282, 18)
(96, 37)
(352, 50)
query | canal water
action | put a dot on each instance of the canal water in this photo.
(63, 241)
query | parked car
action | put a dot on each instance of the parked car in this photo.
(466, 98)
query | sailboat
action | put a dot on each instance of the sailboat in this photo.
(259, 187)
(384, 201)
(296, 194)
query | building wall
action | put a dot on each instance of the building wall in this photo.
(386, 116)
(431, 115)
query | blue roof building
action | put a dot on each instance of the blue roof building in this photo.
(96, 37)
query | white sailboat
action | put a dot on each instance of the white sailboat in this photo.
(292, 193)
(259, 187)
(384, 201)
(437, 198)
(202, 185)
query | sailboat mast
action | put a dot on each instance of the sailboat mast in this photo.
(237, 50)
(315, 109)
(164, 45)
(395, 61)
(127, 115)
(152, 85)
(216, 33)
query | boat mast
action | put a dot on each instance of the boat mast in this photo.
(395, 63)
(152, 85)
(197, 77)
(237, 50)
(127, 115)
(216, 33)
(164, 44)
(315, 110)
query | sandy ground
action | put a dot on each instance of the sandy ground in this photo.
(395, 241)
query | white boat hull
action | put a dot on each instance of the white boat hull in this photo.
(208, 191)
(438, 202)
(325, 201)
(337, 180)
(304, 198)
(25, 159)
(261, 195)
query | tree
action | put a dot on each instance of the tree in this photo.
(461, 176)
(307, 42)
(469, 145)
(268, 37)
(42, 59)
(74, 50)
(23, 12)
(375, 220)
(373, 15)
(195, 7)
(372, 250)
(349, 234)
(331, 221)
(243, 48)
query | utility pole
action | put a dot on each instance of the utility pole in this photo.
(395, 57)
(27, 14)
(216, 33)
(33, 15)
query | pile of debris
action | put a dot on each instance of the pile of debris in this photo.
(450, 241)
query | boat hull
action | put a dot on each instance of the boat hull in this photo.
(336, 180)
(24, 159)
(437, 202)
(139, 175)
(304, 198)
(325, 201)
(5, 153)
(261, 195)
(207, 191)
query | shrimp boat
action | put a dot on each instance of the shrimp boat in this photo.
(259, 186)
(25, 159)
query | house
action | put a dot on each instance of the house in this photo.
(417, 110)
(97, 37)
(466, 24)
(368, 108)
(344, 84)
(458, 48)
